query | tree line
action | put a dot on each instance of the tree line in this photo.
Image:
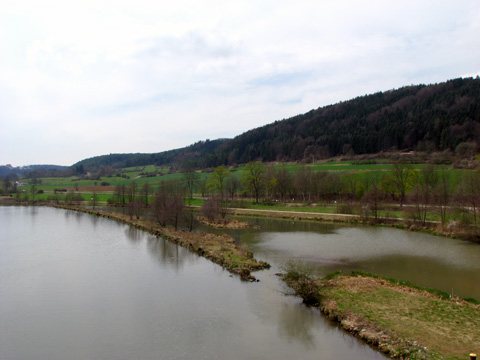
(424, 118)
(416, 192)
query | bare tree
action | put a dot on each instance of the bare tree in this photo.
(304, 181)
(120, 194)
(232, 186)
(284, 182)
(176, 210)
(145, 191)
(94, 199)
(374, 194)
(132, 191)
(211, 209)
(425, 183)
(168, 204)
(160, 207)
(135, 208)
(470, 192)
(444, 193)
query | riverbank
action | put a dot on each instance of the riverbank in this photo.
(400, 320)
(220, 249)
(454, 230)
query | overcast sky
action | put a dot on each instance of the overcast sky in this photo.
(86, 78)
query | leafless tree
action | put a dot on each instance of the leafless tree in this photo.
(444, 193)
(132, 191)
(211, 209)
(374, 194)
(469, 192)
(135, 208)
(425, 182)
(284, 182)
(145, 191)
(232, 186)
(168, 205)
(304, 181)
(120, 194)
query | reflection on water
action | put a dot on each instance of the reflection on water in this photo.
(425, 260)
(82, 287)
(295, 325)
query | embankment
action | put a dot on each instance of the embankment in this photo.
(401, 320)
(220, 249)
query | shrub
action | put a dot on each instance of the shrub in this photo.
(300, 277)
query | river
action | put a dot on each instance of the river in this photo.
(81, 287)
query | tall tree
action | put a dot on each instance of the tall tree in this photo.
(120, 194)
(470, 192)
(254, 178)
(191, 180)
(33, 191)
(444, 193)
(270, 182)
(425, 182)
(403, 177)
(232, 186)
(145, 191)
(373, 196)
(304, 181)
(132, 191)
(284, 182)
(217, 180)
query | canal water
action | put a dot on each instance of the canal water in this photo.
(447, 264)
(80, 287)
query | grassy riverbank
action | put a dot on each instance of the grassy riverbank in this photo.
(220, 249)
(400, 320)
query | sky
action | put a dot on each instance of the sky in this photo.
(85, 78)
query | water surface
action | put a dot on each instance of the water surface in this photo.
(448, 264)
(75, 286)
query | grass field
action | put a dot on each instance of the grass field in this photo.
(401, 320)
(447, 328)
(347, 171)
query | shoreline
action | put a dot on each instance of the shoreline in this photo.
(398, 319)
(220, 249)
(325, 294)
(430, 228)
(404, 224)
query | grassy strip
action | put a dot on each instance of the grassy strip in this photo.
(220, 249)
(402, 321)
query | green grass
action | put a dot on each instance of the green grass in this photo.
(450, 329)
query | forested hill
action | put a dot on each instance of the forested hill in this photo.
(418, 117)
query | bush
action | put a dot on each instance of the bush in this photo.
(299, 276)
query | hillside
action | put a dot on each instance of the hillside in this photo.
(418, 117)
(33, 170)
